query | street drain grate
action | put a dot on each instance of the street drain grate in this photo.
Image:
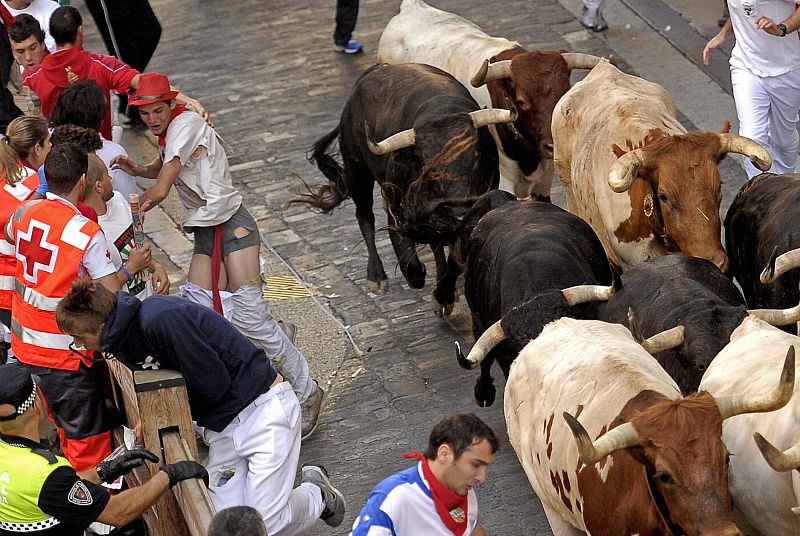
(283, 287)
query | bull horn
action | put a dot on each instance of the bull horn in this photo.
(625, 170)
(390, 144)
(779, 461)
(490, 338)
(665, 340)
(482, 118)
(586, 293)
(733, 143)
(491, 71)
(780, 265)
(732, 405)
(577, 60)
(618, 438)
(777, 317)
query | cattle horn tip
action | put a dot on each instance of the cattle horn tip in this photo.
(768, 274)
(779, 461)
(732, 405)
(586, 448)
(462, 360)
(480, 77)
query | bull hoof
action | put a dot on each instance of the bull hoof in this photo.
(377, 287)
(484, 395)
(441, 310)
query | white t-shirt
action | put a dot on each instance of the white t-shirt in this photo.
(204, 183)
(96, 260)
(120, 181)
(117, 224)
(757, 51)
(41, 11)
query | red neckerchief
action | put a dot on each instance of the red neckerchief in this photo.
(178, 110)
(451, 507)
(6, 16)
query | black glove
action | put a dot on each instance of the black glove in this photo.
(121, 461)
(179, 471)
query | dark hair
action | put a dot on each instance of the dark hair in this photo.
(86, 139)
(63, 167)
(25, 26)
(460, 431)
(237, 521)
(82, 103)
(86, 306)
(64, 24)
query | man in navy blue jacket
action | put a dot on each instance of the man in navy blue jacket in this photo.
(247, 414)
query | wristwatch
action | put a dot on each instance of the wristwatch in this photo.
(782, 28)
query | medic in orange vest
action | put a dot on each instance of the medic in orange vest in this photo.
(55, 245)
(22, 150)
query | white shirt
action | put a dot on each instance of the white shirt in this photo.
(120, 181)
(117, 224)
(204, 184)
(757, 51)
(41, 11)
(96, 260)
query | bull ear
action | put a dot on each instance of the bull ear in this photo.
(726, 127)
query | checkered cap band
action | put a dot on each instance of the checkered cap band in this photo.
(23, 407)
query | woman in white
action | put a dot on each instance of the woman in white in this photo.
(765, 74)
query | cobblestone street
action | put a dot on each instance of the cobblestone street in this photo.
(267, 73)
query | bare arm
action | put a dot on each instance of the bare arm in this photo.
(158, 192)
(716, 41)
(139, 259)
(771, 27)
(128, 505)
(135, 169)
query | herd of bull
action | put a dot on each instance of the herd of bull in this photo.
(643, 403)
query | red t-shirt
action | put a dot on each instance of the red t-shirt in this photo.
(66, 66)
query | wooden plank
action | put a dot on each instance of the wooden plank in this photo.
(192, 495)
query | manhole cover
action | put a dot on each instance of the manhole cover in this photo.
(282, 287)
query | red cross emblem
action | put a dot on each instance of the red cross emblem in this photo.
(35, 252)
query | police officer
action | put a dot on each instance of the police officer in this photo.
(41, 494)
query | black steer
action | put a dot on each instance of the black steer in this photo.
(519, 259)
(433, 163)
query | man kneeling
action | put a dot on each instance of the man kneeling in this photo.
(247, 414)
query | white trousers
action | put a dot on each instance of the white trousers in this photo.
(253, 462)
(767, 108)
(253, 318)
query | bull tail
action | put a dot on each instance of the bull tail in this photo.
(324, 197)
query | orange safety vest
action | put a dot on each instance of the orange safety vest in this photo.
(51, 239)
(10, 198)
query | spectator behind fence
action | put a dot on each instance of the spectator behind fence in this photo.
(27, 44)
(765, 74)
(237, 521)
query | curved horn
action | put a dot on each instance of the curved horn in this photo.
(576, 60)
(490, 338)
(491, 71)
(777, 317)
(490, 116)
(586, 293)
(733, 143)
(780, 265)
(779, 461)
(664, 340)
(618, 438)
(732, 405)
(625, 169)
(392, 143)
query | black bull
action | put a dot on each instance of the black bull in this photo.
(519, 258)
(428, 185)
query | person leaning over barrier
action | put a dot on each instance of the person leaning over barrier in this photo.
(435, 496)
(246, 413)
(42, 495)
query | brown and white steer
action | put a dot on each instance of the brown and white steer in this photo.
(629, 168)
(657, 465)
(767, 500)
(499, 73)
